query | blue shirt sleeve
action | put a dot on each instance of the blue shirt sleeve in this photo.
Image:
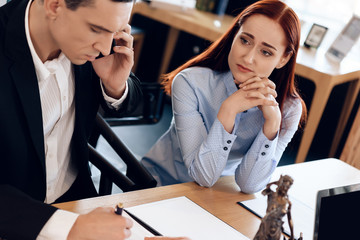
(205, 148)
(204, 152)
(260, 161)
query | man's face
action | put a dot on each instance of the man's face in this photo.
(82, 34)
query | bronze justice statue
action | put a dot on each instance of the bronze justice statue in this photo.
(278, 205)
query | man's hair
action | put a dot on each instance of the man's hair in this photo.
(74, 4)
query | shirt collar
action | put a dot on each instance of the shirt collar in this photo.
(43, 70)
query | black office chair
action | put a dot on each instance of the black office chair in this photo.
(137, 177)
(148, 112)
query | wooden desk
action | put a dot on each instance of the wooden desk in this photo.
(221, 199)
(312, 65)
(351, 150)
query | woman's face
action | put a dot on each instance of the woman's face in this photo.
(258, 48)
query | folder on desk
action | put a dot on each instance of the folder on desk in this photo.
(182, 217)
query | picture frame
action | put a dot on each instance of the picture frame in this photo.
(345, 40)
(315, 36)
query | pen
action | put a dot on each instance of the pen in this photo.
(142, 223)
(119, 208)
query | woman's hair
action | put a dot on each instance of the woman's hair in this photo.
(216, 56)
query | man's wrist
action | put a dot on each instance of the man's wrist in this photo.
(112, 102)
(115, 93)
(58, 226)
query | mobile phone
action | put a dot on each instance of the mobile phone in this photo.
(113, 44)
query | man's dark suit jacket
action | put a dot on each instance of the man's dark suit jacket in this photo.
(22, 157)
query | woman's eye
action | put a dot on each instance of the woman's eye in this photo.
(244, 41)
(266, 53)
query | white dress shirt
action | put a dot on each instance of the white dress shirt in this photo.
(57, 89)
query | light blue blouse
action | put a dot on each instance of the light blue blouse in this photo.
(196, 147)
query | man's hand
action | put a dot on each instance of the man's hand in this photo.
(115, 68)
(101, 223)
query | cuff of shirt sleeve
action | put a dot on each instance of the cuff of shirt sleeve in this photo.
(58, 226)
(266, 146)
(226, 139)
(264, 138)
(112, 102)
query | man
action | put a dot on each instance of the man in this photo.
(51, 88)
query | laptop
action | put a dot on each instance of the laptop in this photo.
(337, 213)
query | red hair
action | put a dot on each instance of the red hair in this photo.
(215, 56)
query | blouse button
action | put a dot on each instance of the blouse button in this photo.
(266, 145)
(225, 148)
(228, 141)
(263, 153)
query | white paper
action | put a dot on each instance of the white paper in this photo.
(180, 216)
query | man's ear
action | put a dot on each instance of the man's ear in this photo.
(51, 8)
(283, 61)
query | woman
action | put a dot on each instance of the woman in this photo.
(235, 105)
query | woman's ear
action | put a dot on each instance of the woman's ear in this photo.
(283, 61)
(51, 8)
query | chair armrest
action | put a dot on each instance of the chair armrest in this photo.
(135, 170)
(109, 174)
(148, 112)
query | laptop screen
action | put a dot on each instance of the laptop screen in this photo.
(337, 213)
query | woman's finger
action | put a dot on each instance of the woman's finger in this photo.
(250, 81)
(260, 99)
(268, 91)
(254, 85)
(257, 82)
